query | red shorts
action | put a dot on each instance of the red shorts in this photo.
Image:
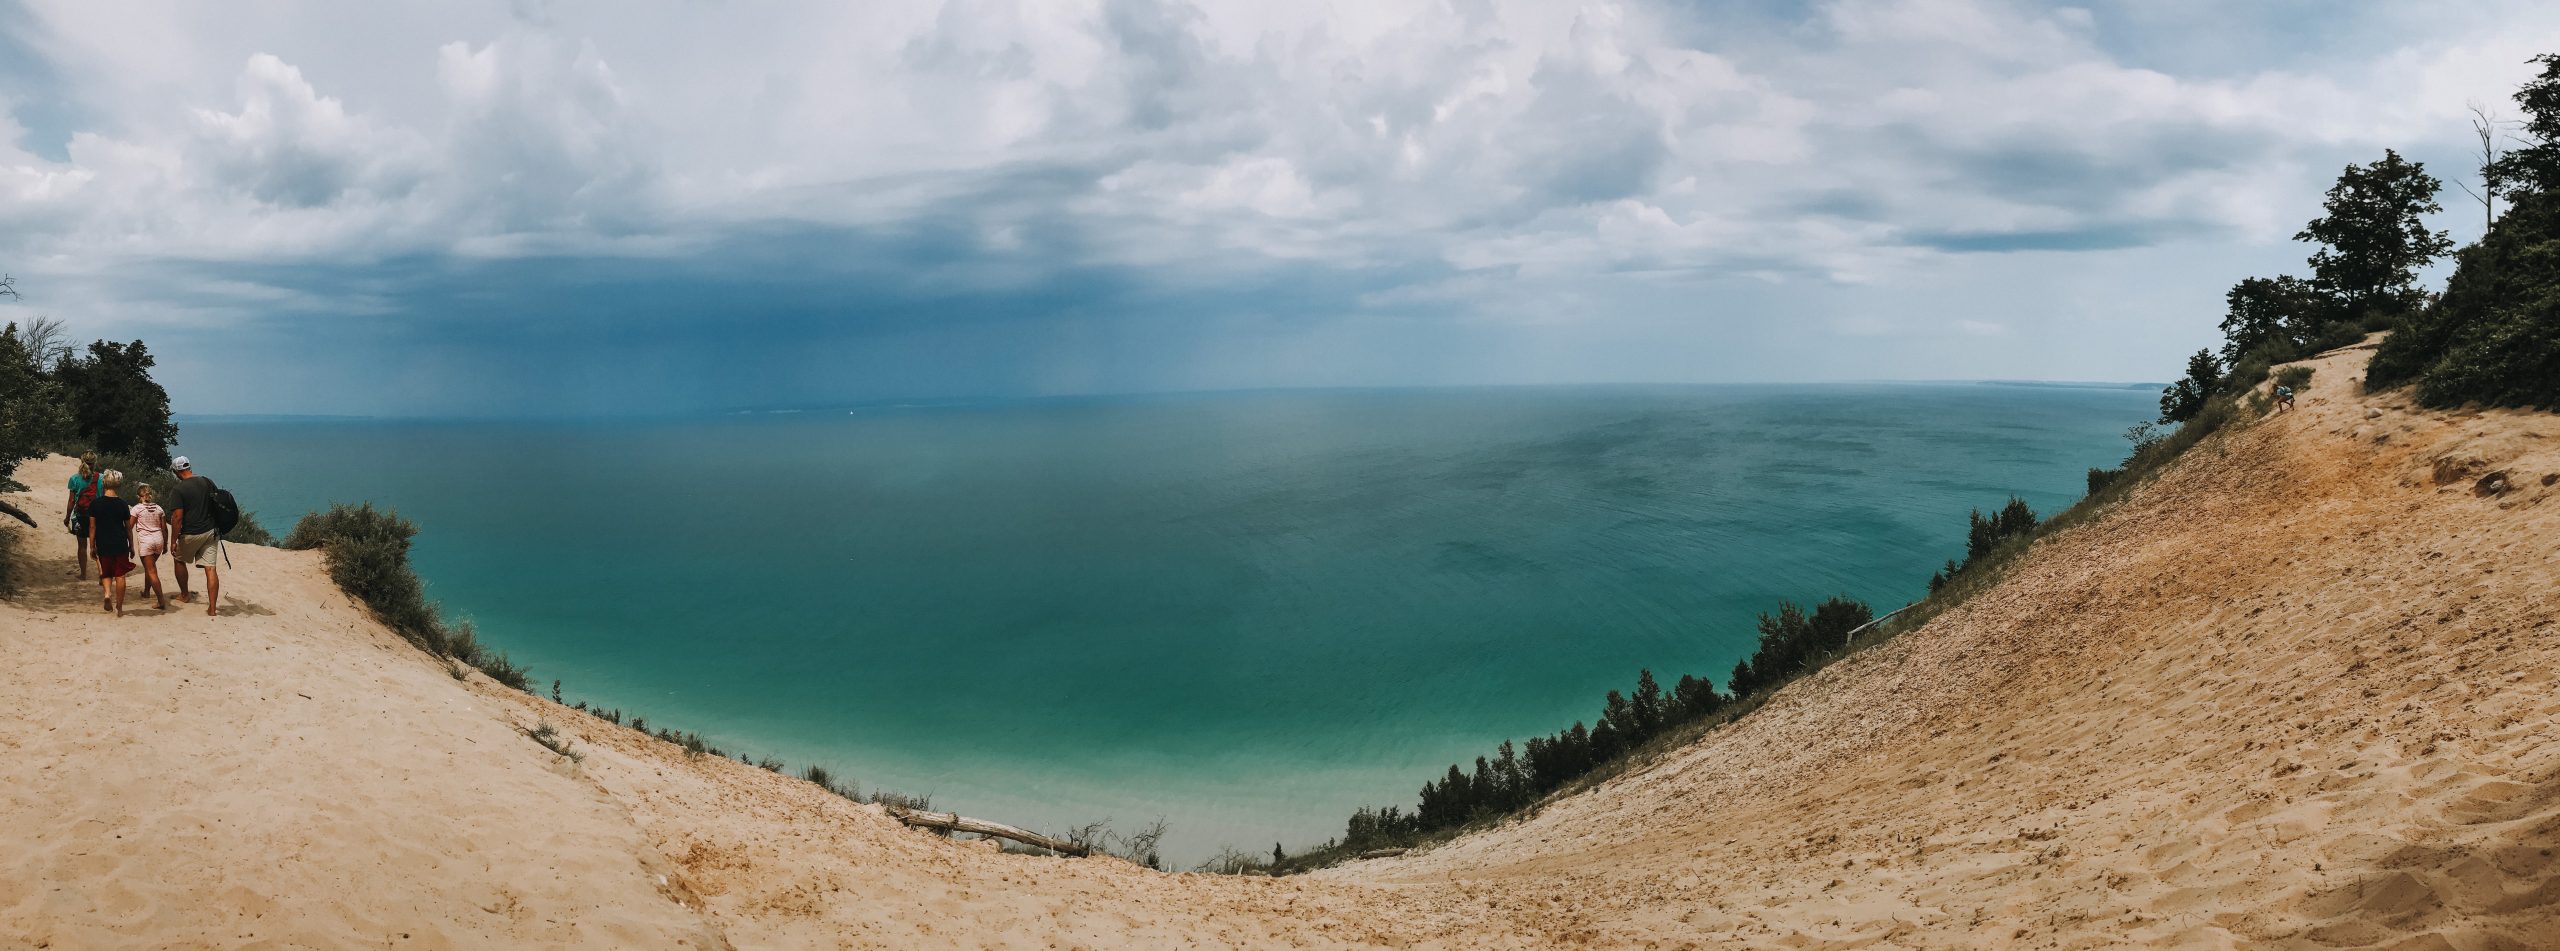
(114, 566)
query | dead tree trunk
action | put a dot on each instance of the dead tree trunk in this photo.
(956, 822)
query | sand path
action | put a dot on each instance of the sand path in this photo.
(2298, 692)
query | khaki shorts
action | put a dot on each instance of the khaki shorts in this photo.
(198, 550)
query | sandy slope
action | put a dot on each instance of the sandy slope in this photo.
(2299, 692)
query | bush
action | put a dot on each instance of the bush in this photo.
(2296, 377)
(367, 554)
(550, 738)
(827, 781)
(902, 800)
(2494, 337)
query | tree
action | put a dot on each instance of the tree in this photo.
(2374, 239)
(1833, 620)
(45, 338)
(2535, 164)
(1620, 716)
(1606, 744)
(2284, 311)
(2184, 399)
(2494, 336)
(31, 414)
(115, 404)
(2485, 127)
(1694, 696)
(1647, 705)
(1511, 781)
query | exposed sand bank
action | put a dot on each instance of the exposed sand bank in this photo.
(2300, 691)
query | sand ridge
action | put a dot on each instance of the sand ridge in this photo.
(2297, 692)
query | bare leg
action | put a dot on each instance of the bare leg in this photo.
(212, 591)
(80, 555)
(118, 582)
(151, 581)
(106, 591)
(178, 566)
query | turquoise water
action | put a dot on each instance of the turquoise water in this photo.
(1246, 613)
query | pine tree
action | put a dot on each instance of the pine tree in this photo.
(1486, 786)
(1694, 697)
(1647, 705)
(2181, 401)
(1514, 783)
(1606, 744)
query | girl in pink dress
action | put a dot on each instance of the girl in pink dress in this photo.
(150, 541)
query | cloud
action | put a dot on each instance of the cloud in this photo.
(1494, 163)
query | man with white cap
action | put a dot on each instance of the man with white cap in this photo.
(191, 523)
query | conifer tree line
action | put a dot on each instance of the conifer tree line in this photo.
(1792, 641)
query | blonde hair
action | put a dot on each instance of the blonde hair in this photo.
(143, 492)
(89, 462)
(111, 480)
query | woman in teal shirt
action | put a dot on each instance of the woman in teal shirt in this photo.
(75, 510)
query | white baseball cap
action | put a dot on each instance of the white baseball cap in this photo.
(178, 464)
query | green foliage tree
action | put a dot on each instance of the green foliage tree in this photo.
(2535, 164)
(1694, 696)
(2494, 335)
(2182, 400)
(114, 403)
(2278, 312)
(31, 415)
(2374, 237)
(1984, 533)
(1647, 706)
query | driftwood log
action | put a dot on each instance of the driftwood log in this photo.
(918, 818)
(1382, 853)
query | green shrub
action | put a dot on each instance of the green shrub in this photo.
(2494, 337)
(902, 800)
(2296, 377)
(551, 739)
(367, 554)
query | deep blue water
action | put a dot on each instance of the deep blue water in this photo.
(1247, 613)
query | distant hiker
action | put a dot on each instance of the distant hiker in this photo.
(2284, 397)
(150, 541)
(192, 524)
(111, 539)
(75, 511)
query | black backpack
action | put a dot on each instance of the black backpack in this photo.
(226, 510)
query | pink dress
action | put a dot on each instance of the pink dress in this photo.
(150, 531)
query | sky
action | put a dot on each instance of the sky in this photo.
(652, 206)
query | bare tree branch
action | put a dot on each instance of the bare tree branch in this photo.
(2485, 127)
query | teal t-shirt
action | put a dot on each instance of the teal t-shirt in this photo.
(82, 485)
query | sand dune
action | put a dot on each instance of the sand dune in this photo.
(2298, 692)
